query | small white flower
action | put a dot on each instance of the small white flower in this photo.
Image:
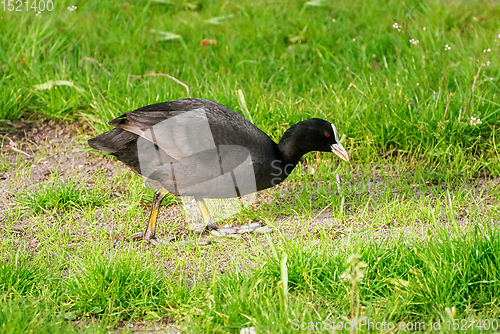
(498, 36)
(72, 8)
(447, 48)
(488, 63)
(474, 121)
(424, 28)
(38, 14)
(418, 84)
(333, 20)
(414, 41)
(487, 50)
(395, 26)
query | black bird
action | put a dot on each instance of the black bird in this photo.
(196, 147)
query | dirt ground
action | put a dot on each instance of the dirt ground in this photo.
(57, 149)
(54, 149)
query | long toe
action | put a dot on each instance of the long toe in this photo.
(158, 242)
(136, 236)
(198, 228)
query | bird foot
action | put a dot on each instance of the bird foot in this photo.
(212, 226)
(202, 227)
(153, 240)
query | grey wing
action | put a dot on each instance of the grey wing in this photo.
(180, 133)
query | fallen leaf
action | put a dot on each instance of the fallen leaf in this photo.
(52, 83)
(207, 42)
(166, 35)
(216, 20)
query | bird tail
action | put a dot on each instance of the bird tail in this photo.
(113, 141)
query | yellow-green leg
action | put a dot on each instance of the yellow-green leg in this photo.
(207, 219)
(150, 232)
(208, 223)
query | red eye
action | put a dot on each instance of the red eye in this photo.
(327, 134)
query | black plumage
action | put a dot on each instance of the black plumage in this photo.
(200, 148)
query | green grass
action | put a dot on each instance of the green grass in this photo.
(420, 195)
(291, 61)
(89, 282)
(117, 285)
(4, 165)
(405, 280)
(61, 197)
(398, 286)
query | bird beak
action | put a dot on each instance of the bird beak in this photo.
(340, 151)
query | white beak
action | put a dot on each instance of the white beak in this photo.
(340, 151)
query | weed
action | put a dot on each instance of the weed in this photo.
(59, 197)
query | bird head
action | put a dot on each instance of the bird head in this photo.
(323, 136)
(313, 134)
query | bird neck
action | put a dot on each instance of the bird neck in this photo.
(292, 145)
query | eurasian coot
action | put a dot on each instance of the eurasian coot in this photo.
(196, 147)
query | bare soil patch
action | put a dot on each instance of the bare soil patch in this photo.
(47, 149)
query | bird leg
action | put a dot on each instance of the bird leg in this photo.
(208, 222)
(150, 232)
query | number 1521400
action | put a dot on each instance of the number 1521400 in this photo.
(26, 6)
